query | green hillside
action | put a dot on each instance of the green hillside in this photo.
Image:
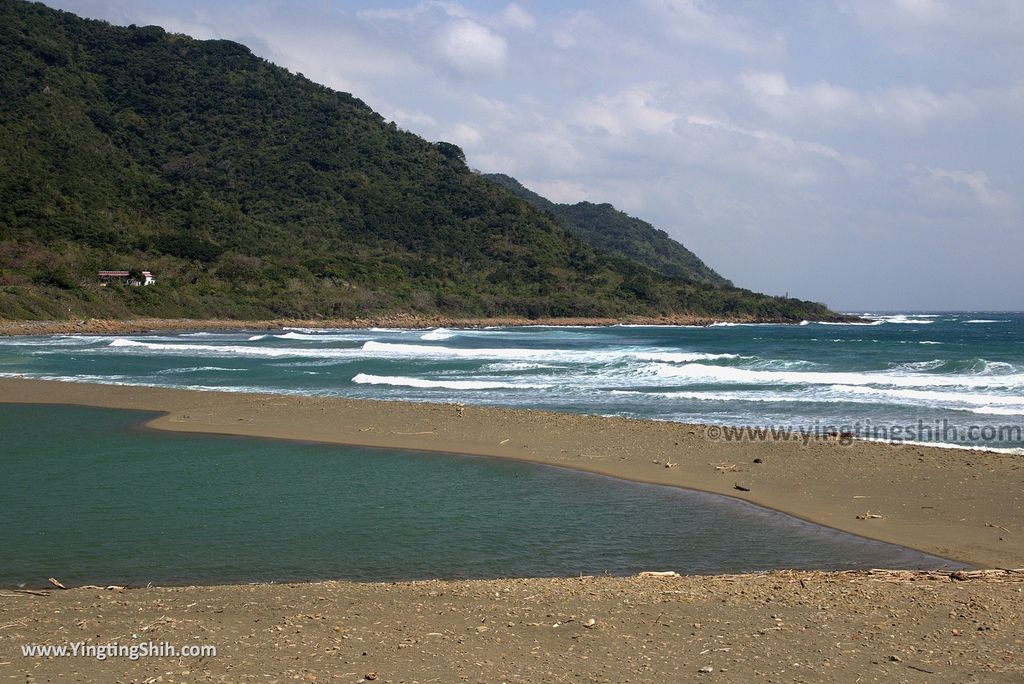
(251, 192)
(615, 232)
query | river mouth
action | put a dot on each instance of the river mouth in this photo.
(90, 497)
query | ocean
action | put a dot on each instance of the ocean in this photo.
(940, 378)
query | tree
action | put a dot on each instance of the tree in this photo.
(136, 277)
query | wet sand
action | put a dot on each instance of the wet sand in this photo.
(784, 626)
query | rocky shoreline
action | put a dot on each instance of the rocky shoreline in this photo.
(140, 325)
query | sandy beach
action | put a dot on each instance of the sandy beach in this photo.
(961, 505)
(776, 627)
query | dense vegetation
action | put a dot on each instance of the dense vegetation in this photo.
(616, 232)
(252, 192)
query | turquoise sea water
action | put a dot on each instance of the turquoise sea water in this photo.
(938, 377)
(90, 497)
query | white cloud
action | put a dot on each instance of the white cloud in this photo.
(410, 14)
(765, 85)
(780, 143)
(930, 27)
(408, 119)
(987, 17)
(631, 110)
(551, 148)
(464, 135)
(578, 28)
(825, 105)
(916, 106)
(976, 183)
(516, 17)
(692, 22)
(560, 190)
(470, 48)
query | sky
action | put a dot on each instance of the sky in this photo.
(862, 153)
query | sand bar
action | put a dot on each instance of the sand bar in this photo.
(963, 505)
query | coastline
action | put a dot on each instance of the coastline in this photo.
(89, 326)
(956, 504)
(872, 625)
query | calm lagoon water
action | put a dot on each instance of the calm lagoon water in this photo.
(91, 497)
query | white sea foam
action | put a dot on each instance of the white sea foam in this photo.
(998, 367)
(295, 335)
(744, 396)
(402, 381)
(846, 394)
(112, 379)
(677, 357)
(200, 369)
(913, 319)
(549, 355)
(781, 364)
(868, 314)
(432, 351)
(984, 320)
(374, 349)
(696, 372)
(916, 366)
(229, 350)
(55, 341)
(932, 396)
(944, 445)
(998, 411)
(345, 336)
(501, 367)
(438, 334)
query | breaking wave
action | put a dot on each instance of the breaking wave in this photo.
(401, 381)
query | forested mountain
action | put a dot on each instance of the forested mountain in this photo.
(606, 228)
(251, 192)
